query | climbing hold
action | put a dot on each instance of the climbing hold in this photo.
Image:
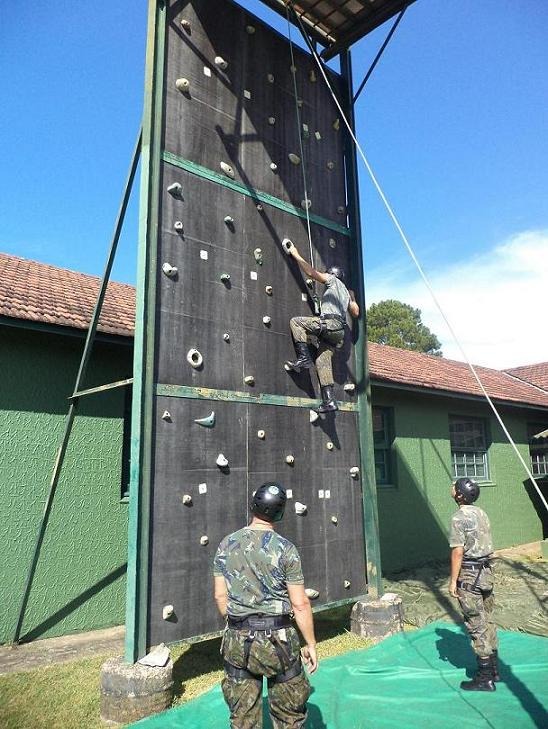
(349, 387)
(311, 593)
(306, 204)
(169, 270)
(318, 136)
(272, 120)
(204, 255)
(312, 76)
(334, 520)
(249, 380)
(222, 461)
(266, 321)
(166, 415)
(313, 416)
(207, 71)
(288, 367)
(300, 508)
(299, 103)
(306, 133)
(337, 124)
(354, 472)
(329, 445)
(204, 540)
(287, 245)
(185, 25)
(261, 434)
(250, 29)
(202, 488)
(178, 226)
(226, 337)
(167, 611)
(194, 358)
(330, 165)
(227, 169)
(229, 220)
(268, 290)
(220, 61)
(290, 460)
(175, 189)
(332, 243)
(270, 78)
(294, 158)
(293, 69)
(310, 283)
(259, 207)
(225, 278)
(347, 584)
(341, 210)
(187, 499)
(208, 421)
(247, 94)
(273, 166)
(183, 85)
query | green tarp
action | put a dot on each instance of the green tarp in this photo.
(409, 681)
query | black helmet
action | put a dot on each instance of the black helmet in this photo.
(467, 489)
(269, 501)
(336, 271)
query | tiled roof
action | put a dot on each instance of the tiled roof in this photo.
(400, 366)
(42, 293)
(537, 374)
(39, 292)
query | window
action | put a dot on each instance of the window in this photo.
(468, 447)
(382, 441)
(538, 449)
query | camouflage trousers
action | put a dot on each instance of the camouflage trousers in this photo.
(476, 602)
(286, 701)
(308, 329)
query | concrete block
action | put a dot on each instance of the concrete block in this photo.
(377, 618)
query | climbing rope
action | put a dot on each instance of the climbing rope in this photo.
(413, 256)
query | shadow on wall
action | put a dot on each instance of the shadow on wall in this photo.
(537, 503)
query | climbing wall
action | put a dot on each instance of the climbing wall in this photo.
(236, 139)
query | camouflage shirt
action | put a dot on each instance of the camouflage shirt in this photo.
(257, 565)
(470, 528)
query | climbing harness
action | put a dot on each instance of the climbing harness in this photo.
(332, 335)
(477, 565)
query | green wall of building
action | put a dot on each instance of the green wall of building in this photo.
(80, 579)
(414, 512)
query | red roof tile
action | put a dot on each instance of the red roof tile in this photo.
(43, 293)
(39, 292)
(400, 366)
(536, 374)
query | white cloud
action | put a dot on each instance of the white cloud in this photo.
(496, 301)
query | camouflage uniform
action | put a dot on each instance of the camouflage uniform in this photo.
(257, 565)
(470, 529)
(309, 328)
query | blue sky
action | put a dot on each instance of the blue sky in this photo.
(454, 121)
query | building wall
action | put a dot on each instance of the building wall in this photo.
(80, 579)
(414, 512)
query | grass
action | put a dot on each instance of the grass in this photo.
(66, 696)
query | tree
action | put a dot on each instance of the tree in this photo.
(399, 325)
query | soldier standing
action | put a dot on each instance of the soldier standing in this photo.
(328, 329)
(472, 581)
(258, 584)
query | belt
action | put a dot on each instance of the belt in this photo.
(338, 318)
(260, 622)
(476, 562)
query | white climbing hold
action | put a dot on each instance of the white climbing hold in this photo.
(330, 165)
(204, 540)
(225, 277)
(332, 243)
(208, 421)
(194, 358)
(311, 593)
(293, 69)
(247, 94)
(329, 445)
(183, 85)
(354, 472)
(269, 290)
(167, 611)
(299, 103)
(249, 380)
(266, 320)
(312, 76)
(313, 416)
(226, 337)
(290, 460)
(261, 435)
(337, 124)
(294, 158)
(178, 226)
(341, 210)
(306, 204)
(185, 24)
(287, 367)
(187, 499)
(166, 415)
(349, 387)
(229, 220)
(287, 245)
(259, 207)
(207, 71)
(334, 520)
(300, 508)
(250, 29)
(227, 169)
(222, 460)
(273, 166)
(270, 78)
(202, 488)
(272, 120)
(318, 135)
(175, 189)
(347, 584)
(220, 61)
(310, 283)
(169, 270)
(258, 256)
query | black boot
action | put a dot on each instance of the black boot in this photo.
(483, 680)
(495, 665)
(329, 404)
(303, 361)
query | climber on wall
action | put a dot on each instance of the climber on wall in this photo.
(326, 331)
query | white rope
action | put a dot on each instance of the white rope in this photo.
(423, 275)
